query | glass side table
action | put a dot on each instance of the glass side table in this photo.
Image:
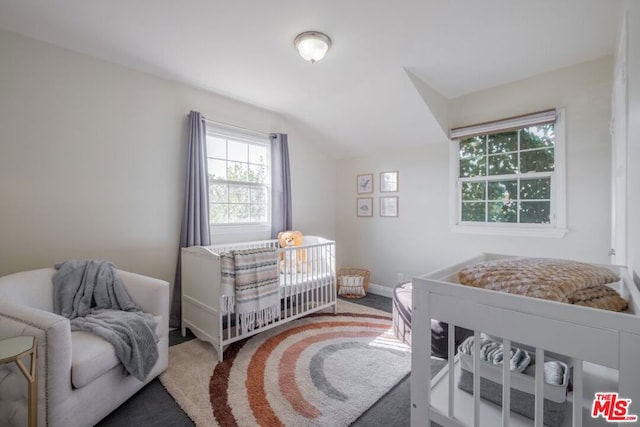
(14, 350)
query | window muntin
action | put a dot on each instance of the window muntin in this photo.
(239, 179)
(506, 177)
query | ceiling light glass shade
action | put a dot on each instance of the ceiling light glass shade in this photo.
(312, 45)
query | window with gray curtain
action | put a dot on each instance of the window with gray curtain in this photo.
(240, 180)
(235, 179)
(239, 167)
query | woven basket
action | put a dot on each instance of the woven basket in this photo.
(351, 272)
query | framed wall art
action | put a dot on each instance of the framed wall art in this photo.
(364, 206)
(364, 183)
(389, 206)
(389, 182)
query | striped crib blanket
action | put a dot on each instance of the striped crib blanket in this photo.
(250, 284)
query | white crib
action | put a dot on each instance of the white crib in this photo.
(302, 290)
(602, 347)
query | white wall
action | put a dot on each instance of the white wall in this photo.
(92, 160)
(419, 240)
(633, 133)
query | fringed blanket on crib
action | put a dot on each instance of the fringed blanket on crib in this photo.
(251, 286)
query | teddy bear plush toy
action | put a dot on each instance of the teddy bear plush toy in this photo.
(291, 260)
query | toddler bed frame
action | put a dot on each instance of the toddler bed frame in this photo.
(304, 288)
(600, 346)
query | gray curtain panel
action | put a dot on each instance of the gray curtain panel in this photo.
(195, 219)
(281, 185)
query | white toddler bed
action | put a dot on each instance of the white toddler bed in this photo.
(601, 347)
(305, 287)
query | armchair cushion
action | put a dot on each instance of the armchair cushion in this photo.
(91, 356)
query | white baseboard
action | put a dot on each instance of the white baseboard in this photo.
(384, 291)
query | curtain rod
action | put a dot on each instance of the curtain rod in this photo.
(531, 119)
(227, 125)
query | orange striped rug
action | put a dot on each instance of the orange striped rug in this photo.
(321, 370)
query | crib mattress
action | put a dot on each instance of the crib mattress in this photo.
(304, 281)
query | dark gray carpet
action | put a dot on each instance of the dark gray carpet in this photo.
(153, 406)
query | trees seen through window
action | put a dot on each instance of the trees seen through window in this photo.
(507, 177)
(239, 181)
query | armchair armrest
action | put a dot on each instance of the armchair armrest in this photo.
(54, 352)
(150, 294)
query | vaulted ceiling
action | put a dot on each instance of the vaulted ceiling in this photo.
(369, 93)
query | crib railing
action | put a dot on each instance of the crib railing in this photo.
(306, 283)
(305, 287)
(310, 282)
(228, 247)
(597, 343)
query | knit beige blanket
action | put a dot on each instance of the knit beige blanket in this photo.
(552, 279)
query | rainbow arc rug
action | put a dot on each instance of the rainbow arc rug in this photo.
(321, 370)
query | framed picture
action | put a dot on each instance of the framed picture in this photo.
(364, 206)
(389, 206)
(388, 182)
(365, 183)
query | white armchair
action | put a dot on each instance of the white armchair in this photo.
(80, 380)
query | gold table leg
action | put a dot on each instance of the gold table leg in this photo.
(30, 375)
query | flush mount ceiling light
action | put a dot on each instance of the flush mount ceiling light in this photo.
(312, 45)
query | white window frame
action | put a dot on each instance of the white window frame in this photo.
(225, 233)
(558, 215)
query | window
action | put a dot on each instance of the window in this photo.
(509, 176)
(239, 178)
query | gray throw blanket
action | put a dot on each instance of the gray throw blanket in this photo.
(91, 294)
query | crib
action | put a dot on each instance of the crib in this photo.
(600, 347)
(302, 290)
